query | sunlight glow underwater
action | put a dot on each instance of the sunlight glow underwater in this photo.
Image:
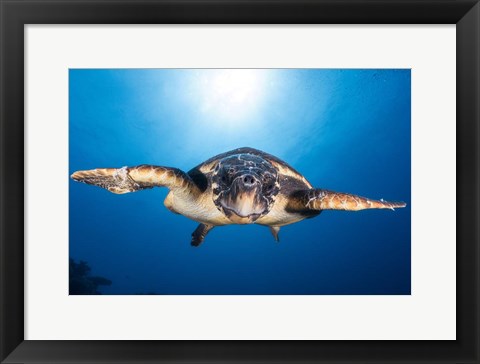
(230, 94)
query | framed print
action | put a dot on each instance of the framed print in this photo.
(239, 181)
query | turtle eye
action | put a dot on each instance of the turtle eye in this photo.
(231, 171)
(267, 181)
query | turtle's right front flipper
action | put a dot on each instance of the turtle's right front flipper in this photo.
(131, 179)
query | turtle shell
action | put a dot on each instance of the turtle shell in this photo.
(289, 179)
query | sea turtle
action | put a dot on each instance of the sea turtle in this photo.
(242, 186)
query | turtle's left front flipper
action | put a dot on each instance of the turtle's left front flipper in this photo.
(131, 179)
(318, 200)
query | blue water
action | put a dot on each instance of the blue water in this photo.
(345, 130)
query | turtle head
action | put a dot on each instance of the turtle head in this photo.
(244, 187)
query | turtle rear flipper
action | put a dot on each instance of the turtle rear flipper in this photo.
(131, 179)
(200, 233)
(318, 200)
(274, 230)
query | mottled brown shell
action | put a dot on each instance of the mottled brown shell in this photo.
(290, 180)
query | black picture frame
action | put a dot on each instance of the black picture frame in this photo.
(16, 13)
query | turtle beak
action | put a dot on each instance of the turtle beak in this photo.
(244, 203)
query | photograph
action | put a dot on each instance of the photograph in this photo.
(239, 181)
